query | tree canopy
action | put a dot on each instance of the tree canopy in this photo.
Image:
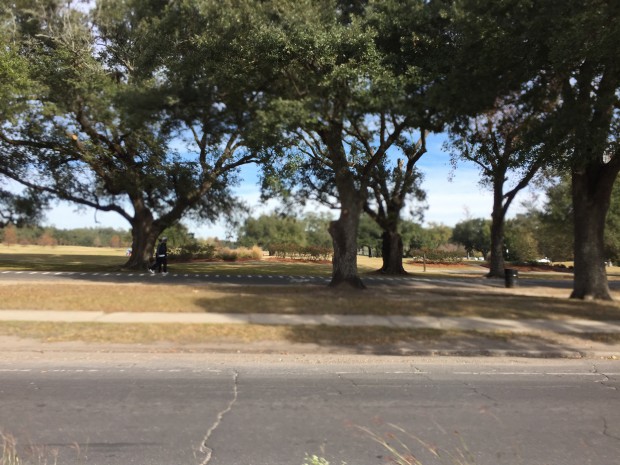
(131, 119)
(149, 108)
(502, 142)
(473, 234)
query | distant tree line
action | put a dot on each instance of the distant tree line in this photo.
(540, 232)
(537, 233)
(49, 236)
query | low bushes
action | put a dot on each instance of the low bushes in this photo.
(241, 253)
(195, 250)
(300, 252)
(200, 250)
(435, 256)
(207, 251)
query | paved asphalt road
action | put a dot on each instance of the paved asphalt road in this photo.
(189, 409)
(186, 278)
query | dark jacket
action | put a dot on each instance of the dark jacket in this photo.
(162, 250)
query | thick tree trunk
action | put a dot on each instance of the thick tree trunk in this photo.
(392, 253)
(591, 190)
(144, 234)
(344, 238)
(496, 259)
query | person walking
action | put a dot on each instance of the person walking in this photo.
(161, 258)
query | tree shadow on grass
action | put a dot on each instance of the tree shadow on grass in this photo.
(319, 300)
(389, 341)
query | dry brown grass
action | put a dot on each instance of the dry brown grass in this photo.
(188, 334)
(299, 299)
(141, 333)
(430, 299)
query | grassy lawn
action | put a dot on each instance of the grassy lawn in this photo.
(194, 333)
(295, 299)
(102, 333)
(290, 299)
(60, 258)
(360, 339)
(86, 259)
(431, 300)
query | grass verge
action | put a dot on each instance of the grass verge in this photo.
(89, 259)
(296, 299)
(605, 338)
(106, 333)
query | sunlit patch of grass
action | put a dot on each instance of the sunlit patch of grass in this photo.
(108, 297)
(59, 250)
(80, 259)
(141, 333)
(64, 262)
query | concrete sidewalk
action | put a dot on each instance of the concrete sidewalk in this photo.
(445, 323)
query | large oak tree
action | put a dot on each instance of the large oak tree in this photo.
(26, 207)
(141, 110)
(565, 55)
(345, 105)
(393, 187)
(581, 73)
(508, 157)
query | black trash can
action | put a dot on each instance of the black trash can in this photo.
(512, 277)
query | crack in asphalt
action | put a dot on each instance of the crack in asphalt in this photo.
(350, 381)
(417, 371)
(204, 448)
(603, 382)
(605, 379)
(476, 391)
(606, 432)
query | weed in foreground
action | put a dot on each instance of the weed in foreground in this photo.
(397, 443)
(9, 453)
(315, 460)
(402, 454)
(39, 455)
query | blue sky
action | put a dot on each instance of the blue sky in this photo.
(449, 201)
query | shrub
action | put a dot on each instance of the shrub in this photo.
(193, 250)
(115, 241)
(47, 240)
(10, 234)
(257, 253)
(318, 253)
(227, 254)
(295, 251)
(206, 251)
(435, 256)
